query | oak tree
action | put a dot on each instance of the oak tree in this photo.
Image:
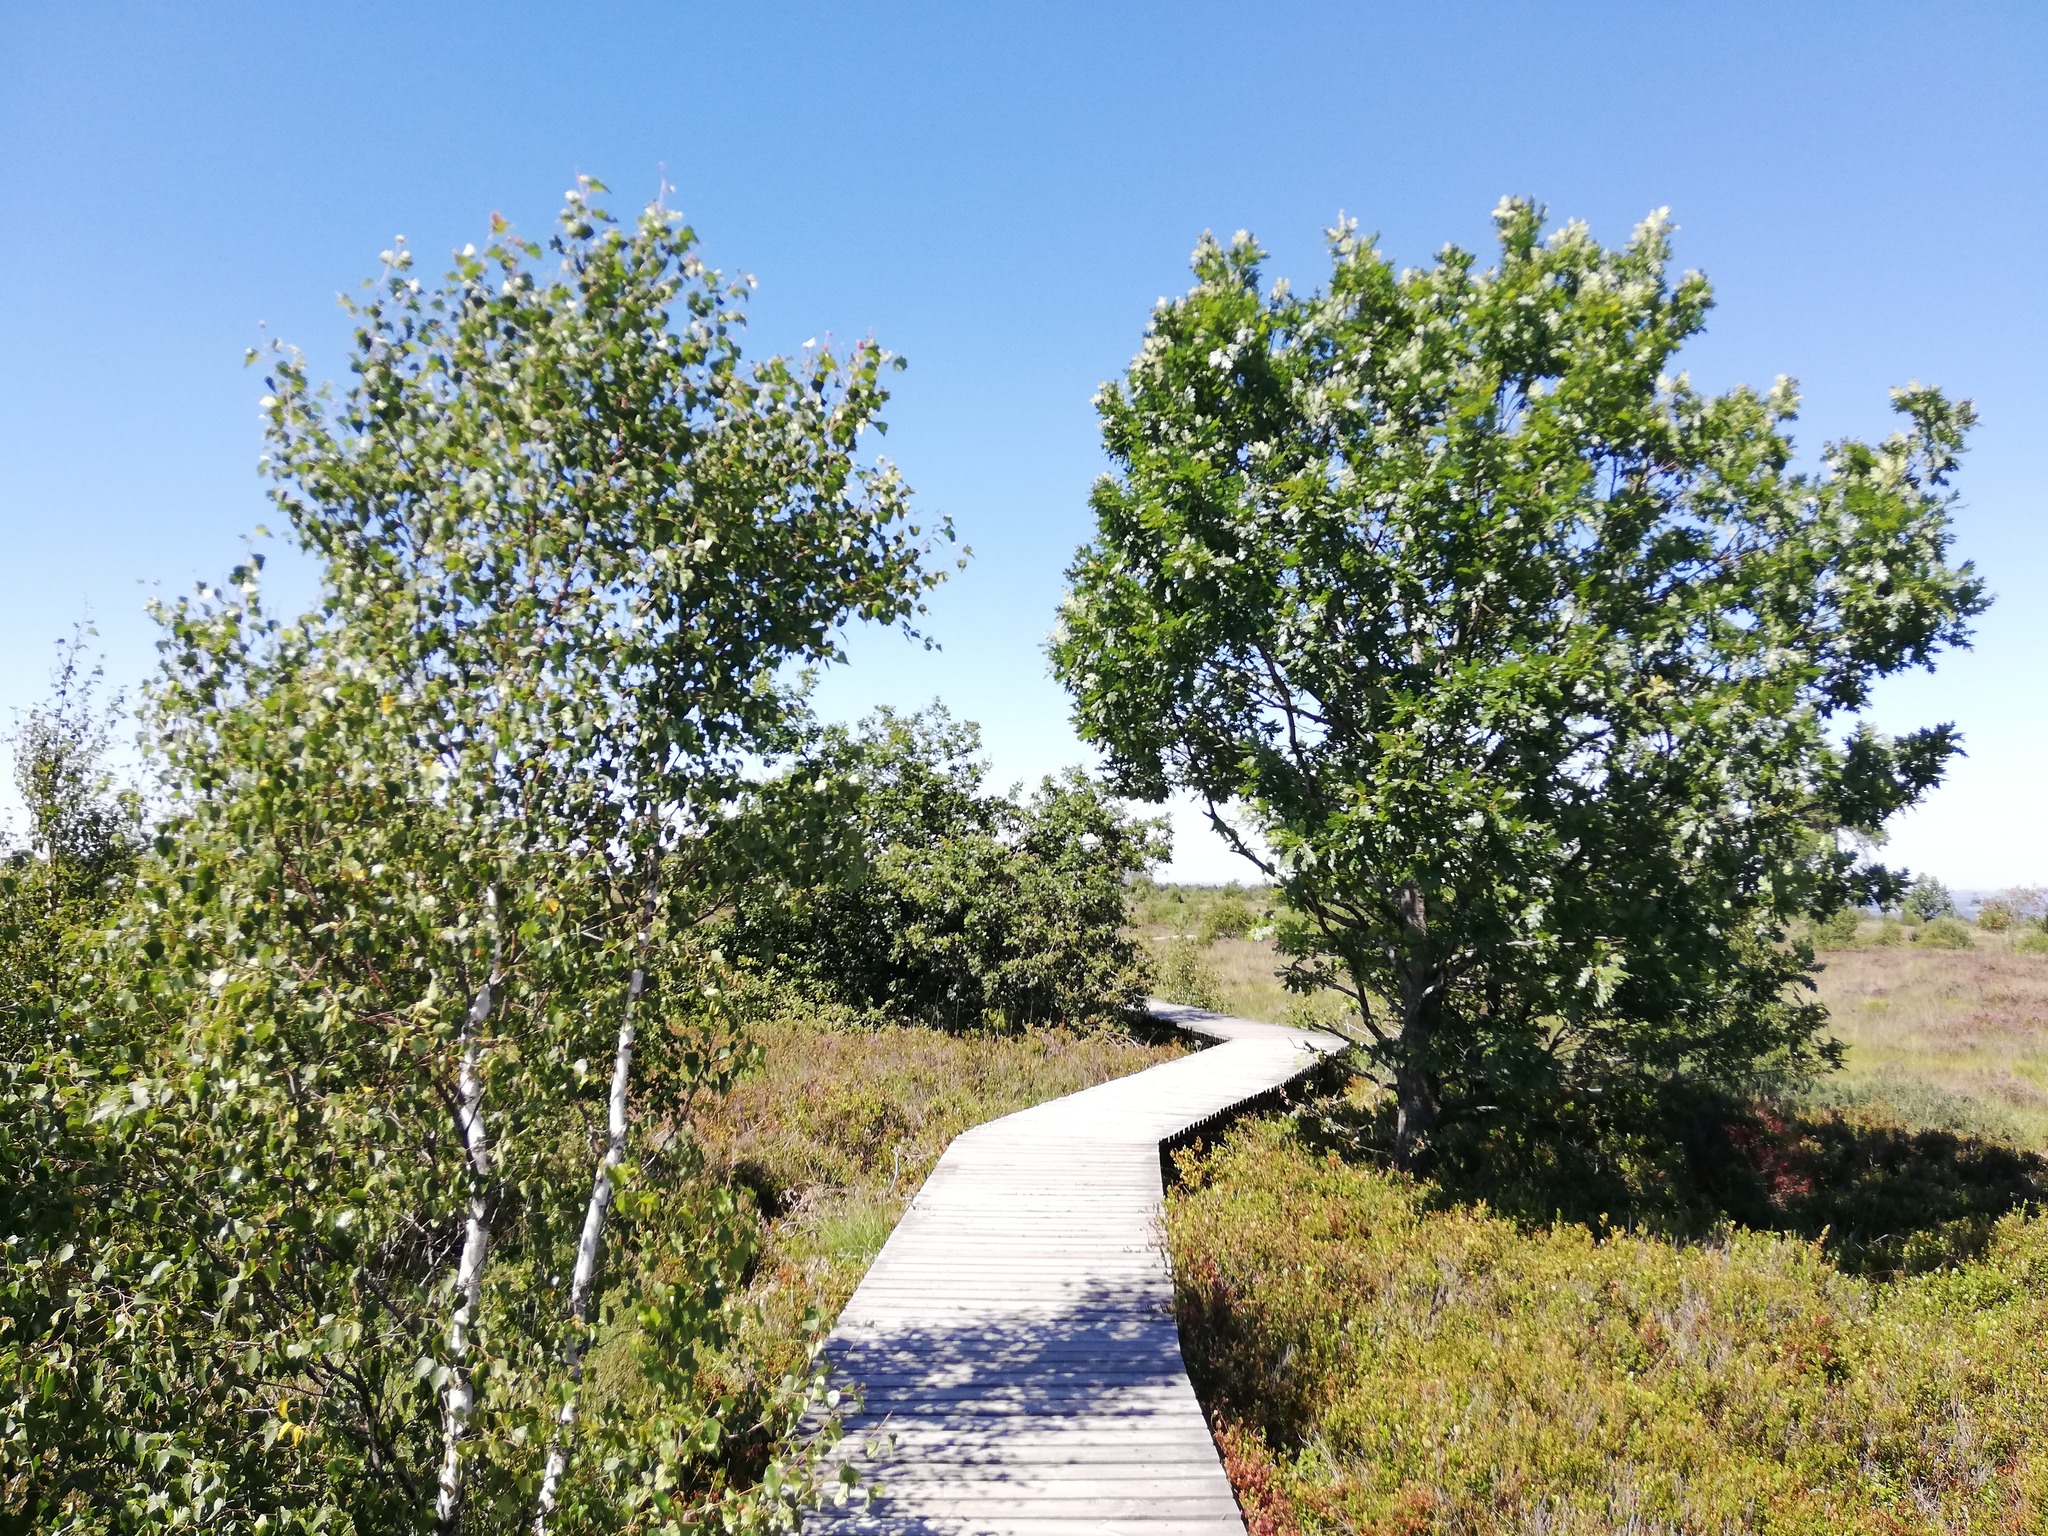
(1530, 672)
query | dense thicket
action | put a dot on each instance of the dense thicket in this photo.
(1530, 673)
(911, 889)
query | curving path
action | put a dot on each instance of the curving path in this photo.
(1015, 1337)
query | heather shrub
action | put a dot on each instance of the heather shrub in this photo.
(1378, 1362)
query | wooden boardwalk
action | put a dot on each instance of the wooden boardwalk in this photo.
(1015, 1339)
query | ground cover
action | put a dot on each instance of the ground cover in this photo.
(1374, 1362)
(1954, 1039)
(1840, 1327)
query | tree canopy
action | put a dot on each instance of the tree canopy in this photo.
(1530, 672)
(376, 1118)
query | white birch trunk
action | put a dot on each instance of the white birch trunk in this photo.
(460, 1401)
(589, 1244)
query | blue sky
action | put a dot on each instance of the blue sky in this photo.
(1000, 193)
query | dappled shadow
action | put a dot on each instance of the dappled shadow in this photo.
(1882, 1199)
(999, 1406)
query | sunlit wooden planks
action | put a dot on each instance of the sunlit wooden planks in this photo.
(1014, 1342)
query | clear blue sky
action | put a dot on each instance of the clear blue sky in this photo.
(1000, 192)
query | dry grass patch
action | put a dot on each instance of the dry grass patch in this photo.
(1949, 1039)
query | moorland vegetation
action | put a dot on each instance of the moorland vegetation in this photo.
(454, 1084)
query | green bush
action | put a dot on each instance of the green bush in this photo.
(1378, 1362)
(1946, 933)
(894, 882)
(1186, 978)
(1229, 918)
(1889, 933)
(1838, 931)
(1994, 917)
(2031, 943)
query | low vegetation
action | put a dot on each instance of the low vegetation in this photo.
(1943, 1039)
(1824, 1314)
(1378, 1362)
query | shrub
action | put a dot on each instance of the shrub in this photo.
(1994, 917)
(1186, 978)
(2031, 943)
(1229, 918)
(1839, 930)
(901, 886)
(1889, 933)
(1378, 1362)
(1946, 933)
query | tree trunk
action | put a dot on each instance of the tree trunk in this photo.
(460, 1400)
(590, 1243)
(1418, 1100)
(1417, 1108)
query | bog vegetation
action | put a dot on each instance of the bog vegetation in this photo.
(455, 1083)
(1818, 1309)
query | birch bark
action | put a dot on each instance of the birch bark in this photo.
(590, 1243)
(460, 1401)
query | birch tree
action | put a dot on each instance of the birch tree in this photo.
(424, 843)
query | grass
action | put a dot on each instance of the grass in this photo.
(1233, 973)
(1857, 1342)
(1943, 1039)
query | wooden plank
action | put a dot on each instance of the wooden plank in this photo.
(1013, 1362)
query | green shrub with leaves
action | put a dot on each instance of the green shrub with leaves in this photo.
(1994, 917)
(1186, 977)
(1229, 918)
(1945, 933)
(1537, 671)
(911, 890)
(1838, 931)
(1377, 1358)
(372, 1157)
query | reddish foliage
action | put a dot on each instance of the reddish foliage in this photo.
(1256, 1480)
(1771, 1146)
(1414, 1513)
